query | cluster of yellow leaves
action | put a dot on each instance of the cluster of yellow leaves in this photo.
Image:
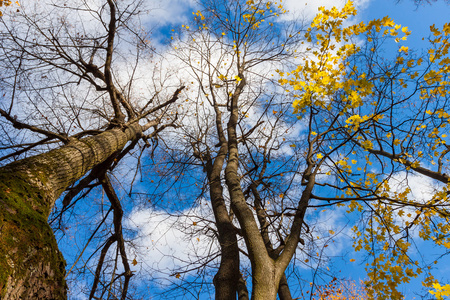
(198, 14)
(318, 80)
(435, 83)
(387, 273)
(328, 80)
(259, 10)
(387, 269)
(393, 266)
(440, 291)
(5, 2)
(222, 77)
(423, 217)
(354, 121)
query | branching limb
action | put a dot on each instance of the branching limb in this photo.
(19, 125)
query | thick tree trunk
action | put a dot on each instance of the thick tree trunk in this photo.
(31, 266)
(284, 293)
(283, 290)
(265, 282)
(227, 278)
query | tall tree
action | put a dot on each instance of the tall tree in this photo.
(226, 57)
(391, 113)
(63, 84)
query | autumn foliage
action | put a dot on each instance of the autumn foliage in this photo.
(6, 3)
(374, 118)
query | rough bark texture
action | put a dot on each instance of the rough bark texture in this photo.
(31, 266)
(283, 290)
(227, 278)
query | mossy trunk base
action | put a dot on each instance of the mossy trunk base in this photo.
(31, 266)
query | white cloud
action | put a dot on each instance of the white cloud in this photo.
(308, 9)
(422, 187)
(422, 190)
(162, 12)
(169, 243)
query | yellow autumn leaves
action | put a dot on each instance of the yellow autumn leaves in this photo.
(329, 82)
(320, 78)
(440, 291)
(7, 3)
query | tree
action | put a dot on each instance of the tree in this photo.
(232, 41)
(391, 112)
(43, 67)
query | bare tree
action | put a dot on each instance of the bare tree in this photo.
(65, 90)
(231, 58)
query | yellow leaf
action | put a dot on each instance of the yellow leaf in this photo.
(367, 144)
(403, 49)
(134, 262)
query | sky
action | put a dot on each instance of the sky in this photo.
(160, 236)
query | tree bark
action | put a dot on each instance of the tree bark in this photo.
(265, 275)
(227, 278)
(284, 293)
(283, 290)
(31, 266)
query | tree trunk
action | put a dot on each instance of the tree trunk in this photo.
(227, 278)
(31, 266)
(284, 293)
(265, 276)
(265, 282)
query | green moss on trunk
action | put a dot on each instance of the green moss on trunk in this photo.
(29, 253)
